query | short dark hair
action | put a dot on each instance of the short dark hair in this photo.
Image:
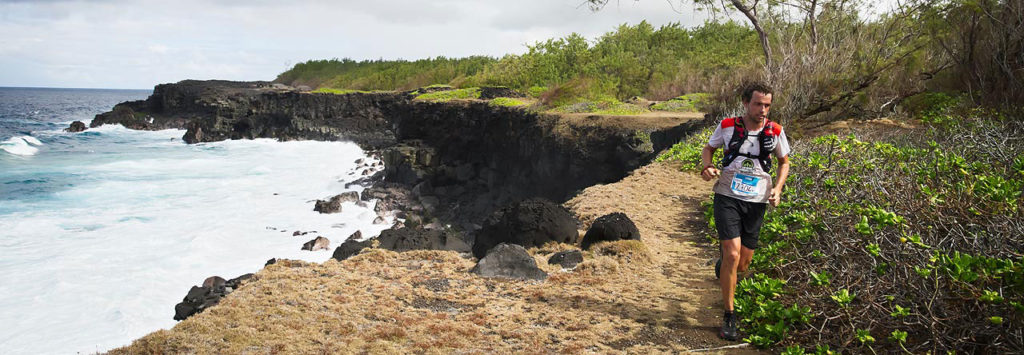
(748, 91)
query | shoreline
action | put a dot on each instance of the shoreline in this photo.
(448, 164)
(120, 226)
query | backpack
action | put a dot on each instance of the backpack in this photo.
(766, 139)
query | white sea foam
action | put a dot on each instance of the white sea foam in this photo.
(21, 145)
(103, 262)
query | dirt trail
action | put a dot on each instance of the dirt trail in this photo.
(658, 296)
(664, 202)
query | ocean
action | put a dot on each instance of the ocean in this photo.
(102, 232)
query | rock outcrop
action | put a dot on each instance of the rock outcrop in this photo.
(408, 238)
(333, 204)
(76, 126)
(202, 297)
(318, 243)
(530, 223)
(352, 246)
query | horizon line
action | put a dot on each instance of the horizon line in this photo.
(66, 88)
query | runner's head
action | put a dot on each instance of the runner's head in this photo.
(757, 100)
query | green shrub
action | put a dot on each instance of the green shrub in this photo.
(336, 91)
(506, 101)
(448, 95)
(536, 91)
(872, 236)
(696, 102)
(689, 149)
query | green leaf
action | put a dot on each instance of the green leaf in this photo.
(898, 336)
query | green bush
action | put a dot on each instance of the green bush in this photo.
(696, 102)
(506, 101)
(689, 149)
(903, 241)
(448, 95)
(336, 91)
(536, 91)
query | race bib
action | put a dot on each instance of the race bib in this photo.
(745, 185)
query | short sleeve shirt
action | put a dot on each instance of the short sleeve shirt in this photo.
(744, 179)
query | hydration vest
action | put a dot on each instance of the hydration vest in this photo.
(766, 140)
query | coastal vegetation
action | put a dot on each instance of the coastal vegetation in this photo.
(893, 238)
(634, 60)
(448, 95)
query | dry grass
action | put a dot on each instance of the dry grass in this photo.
(626, 296)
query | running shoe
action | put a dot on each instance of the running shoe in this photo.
(729, 327)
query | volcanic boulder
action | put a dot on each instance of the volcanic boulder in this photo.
(612, 226)
(509, 261)
(567, 259)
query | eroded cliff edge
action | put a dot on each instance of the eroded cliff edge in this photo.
(456, 161)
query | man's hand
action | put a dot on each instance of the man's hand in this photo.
(774, 197)
(709, 173)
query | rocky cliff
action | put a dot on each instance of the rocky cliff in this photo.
(457, 161)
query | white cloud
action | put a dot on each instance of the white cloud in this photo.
(137, 44)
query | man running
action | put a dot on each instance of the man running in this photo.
(744, 187)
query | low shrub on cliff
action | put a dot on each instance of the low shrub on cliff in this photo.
(893, 241)
(694, 102)
(337, 91)
(448, 95)
(506, 101)
(585, 95)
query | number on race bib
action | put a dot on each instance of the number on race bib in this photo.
(745, 185)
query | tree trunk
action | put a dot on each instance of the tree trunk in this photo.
(751, 15)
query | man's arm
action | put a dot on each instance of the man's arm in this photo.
(776, 195)
(708, 170)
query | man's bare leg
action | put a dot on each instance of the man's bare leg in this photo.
(735, 258)
(731, 257)
(740, 261)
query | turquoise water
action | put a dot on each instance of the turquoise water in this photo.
(103, 231)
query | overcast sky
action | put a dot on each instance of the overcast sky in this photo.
(137, 44)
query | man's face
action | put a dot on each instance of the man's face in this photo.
(758, 106)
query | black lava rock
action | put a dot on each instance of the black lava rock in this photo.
(333, 205)
(200, 298)
(408, 238)
(567, 259)
(612, 226)
(76, 126)
(351, 246)
(529, 223)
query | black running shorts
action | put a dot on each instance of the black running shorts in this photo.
(736, 218)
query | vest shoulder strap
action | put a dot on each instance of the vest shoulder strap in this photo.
(728, 122)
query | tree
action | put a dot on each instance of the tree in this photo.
(827, 55)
